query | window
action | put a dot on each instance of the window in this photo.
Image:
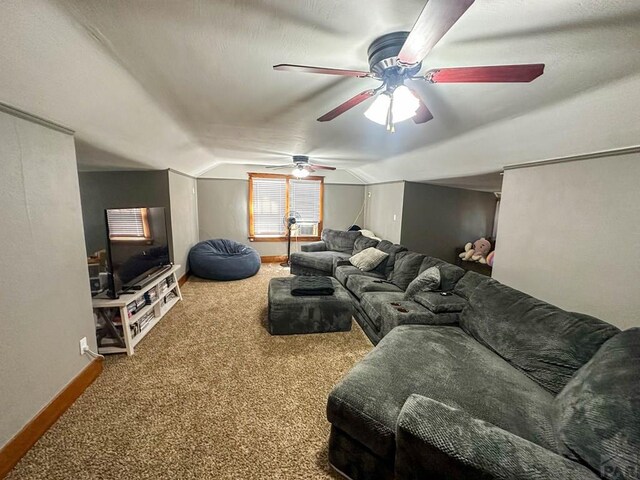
(271, 197)
(129, 224)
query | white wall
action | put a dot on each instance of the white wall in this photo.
(223, 211)
(45, 302)
(383, 210)
(184, 217)
(569, 234)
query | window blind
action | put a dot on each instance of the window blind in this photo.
(126, 222)
(269, 204)
(304, 198)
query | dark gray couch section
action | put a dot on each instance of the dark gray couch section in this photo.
(320, 263)
(343, 272)
(598, 412)
(542, 340)
(340, 241)
(447, 365)
(436, 440)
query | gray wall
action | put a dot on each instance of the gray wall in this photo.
(436, 220)
(45, 302)
(184, 217)
(569, 233)
(384, 210)
(223, 211)
(120, 189)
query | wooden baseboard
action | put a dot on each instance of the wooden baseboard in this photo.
(274, 259)
(183, 279)
(20, 444)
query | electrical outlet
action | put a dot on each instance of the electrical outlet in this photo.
(83, 345)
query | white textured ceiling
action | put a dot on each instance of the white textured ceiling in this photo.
(189, 84)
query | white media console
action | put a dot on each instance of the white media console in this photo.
(122, 322)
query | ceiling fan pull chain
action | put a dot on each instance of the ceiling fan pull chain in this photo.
(390, 126)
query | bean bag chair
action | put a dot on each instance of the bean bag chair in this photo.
(222, 259)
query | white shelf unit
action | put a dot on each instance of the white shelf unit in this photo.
(126, 333)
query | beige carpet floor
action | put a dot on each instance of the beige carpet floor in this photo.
(208, 394)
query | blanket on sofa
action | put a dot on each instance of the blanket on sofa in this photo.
(309, 285)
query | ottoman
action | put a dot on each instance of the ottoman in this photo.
(289, 314)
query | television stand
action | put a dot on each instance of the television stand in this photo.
(121, 323)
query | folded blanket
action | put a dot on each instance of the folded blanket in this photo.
(304, 285)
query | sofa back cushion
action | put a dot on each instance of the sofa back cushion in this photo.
(449, 274)
(339, 240)
(468, 283)
(597, 414)
(362, 243)
(392, 249)
(406, 268)
(545, 342)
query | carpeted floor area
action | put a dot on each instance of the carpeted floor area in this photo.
(209, 394)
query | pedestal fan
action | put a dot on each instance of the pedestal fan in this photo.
(291, 221)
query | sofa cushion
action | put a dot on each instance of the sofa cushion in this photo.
(317, 260)
(372, 303)
(449, 273)
(468, 283)
(598, 412)
(392, 249)
(447, 365)
(339, 240)
(427, 281)
(368, 259)
(359, 284)
(362, 243)
(438, 303)
(343, 272)
(406, 268)
(542, 340)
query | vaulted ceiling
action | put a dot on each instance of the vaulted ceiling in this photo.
(189, 84)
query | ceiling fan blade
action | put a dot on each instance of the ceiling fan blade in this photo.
(349, 104)
(437, 17)
(493, 74)
(276, 167)
(322, 167)
(325, 71)
(423, 114)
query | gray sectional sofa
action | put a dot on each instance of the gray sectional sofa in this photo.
(488, 383)
(520, 389)
(373, 292)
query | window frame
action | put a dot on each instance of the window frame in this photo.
(283, 238)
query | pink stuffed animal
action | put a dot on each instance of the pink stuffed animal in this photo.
(476, 252)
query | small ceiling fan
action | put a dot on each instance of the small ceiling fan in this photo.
(301, 166)
(397, 57)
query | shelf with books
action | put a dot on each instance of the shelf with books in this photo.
(122, 323)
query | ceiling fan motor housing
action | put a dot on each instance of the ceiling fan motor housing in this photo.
(300, 159)
(383, 55)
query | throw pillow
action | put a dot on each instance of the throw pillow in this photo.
(428, 280)
(368, 259)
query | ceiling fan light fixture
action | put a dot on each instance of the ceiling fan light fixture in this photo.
(405, 105)
(300, 172)
(377, 112)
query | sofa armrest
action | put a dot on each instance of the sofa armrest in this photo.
(434, 440)
(314, 247)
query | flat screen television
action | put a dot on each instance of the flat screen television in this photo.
(137, 247)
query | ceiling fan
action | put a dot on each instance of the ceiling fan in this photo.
(301, 166)
(397, 57)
